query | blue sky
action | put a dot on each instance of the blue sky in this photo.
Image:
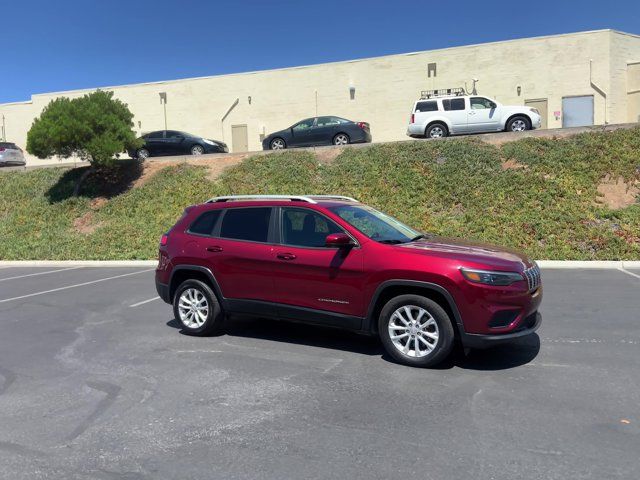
(70, 44)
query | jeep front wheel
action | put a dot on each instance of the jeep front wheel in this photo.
(196, 307)
(416, 331)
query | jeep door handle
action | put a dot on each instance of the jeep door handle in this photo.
(214, 249)
(286, 256)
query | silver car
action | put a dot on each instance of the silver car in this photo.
(11, 154)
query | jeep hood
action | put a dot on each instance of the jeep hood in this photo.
(491, 255)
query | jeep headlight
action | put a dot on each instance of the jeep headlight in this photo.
(488, 277)
(210, 142)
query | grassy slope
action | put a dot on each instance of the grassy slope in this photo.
(454, 188)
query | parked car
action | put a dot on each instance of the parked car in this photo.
(438, 115)
(333, 261)
(319, 131)
(11, 154)
(172, 142)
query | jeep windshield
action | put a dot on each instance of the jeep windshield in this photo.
(376, 225)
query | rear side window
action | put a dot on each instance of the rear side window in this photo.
(12, 146)
(453, 104)
(204, 223)
(155, 135)
(429, 106)
(250, 224)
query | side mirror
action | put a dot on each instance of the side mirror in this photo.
(338, 240)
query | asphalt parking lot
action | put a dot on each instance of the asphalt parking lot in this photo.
(97, 382)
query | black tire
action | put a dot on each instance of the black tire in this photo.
(197, 150)
(341, 139)
(142, 154)
(519, 120)
(441, 348)
(274, 144)
(433, 129)
(213, 323)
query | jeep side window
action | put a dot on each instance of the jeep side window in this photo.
(429, 106)
(479, 103)
(453, 104)
(304, 228)
(251, 224)
(204, 224)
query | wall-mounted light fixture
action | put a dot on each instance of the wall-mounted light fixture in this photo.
(519, 90)
(352, 92)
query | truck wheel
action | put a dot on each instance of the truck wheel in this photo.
(196, 307)
(518, 124)
(416, 331)
(436, 130)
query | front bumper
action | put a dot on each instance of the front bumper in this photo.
(478, 340)
(220, 148)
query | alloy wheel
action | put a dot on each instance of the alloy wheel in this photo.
(413, 331)
(341, 139)
(197, 150)
(436, 132)
(277, 144)
(193, 308)
(143, 154)
(518, 126)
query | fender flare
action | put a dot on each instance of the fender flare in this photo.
(201, 269)
(370, 321)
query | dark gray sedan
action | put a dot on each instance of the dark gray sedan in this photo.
(11, 154)
(318, 131)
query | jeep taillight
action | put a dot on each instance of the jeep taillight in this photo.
(413, 118)
(164, 240)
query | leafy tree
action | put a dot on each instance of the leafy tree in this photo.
(95, 127)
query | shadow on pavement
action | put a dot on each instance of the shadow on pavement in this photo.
(503, 357)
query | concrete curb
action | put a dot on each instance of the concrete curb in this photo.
(548, 264)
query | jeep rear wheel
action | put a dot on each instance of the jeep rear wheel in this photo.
(196, 307)
(416, 331)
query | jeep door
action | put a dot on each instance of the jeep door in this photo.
(309, 275)
(483, 115)
(238, 253)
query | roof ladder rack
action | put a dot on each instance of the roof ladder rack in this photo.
(442, 92)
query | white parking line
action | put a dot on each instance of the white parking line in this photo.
(143, 302)
(38, 273)
(74, 286)
(629, 273)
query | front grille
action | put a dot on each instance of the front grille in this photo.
(533, 277)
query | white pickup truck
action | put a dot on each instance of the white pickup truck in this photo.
(435, 116)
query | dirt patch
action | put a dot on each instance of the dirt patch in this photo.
(97, 203)
(85, 224)
(149, 169)
(616, 193)
(328, 155)
(511, 164)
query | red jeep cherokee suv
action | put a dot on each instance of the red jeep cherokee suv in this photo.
(331, 260)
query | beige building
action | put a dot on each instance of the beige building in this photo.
(580, 78)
